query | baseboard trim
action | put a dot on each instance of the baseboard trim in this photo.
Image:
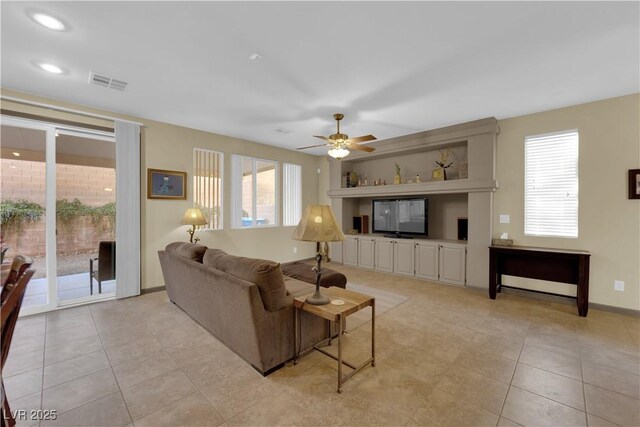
(154, 289)
(570, 301)
(618, 310)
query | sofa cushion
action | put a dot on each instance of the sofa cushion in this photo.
(191, 251)
(212, 257)
(297, 288)
(267, 275)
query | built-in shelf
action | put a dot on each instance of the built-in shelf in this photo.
(423, 188)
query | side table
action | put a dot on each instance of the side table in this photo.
(353, 302)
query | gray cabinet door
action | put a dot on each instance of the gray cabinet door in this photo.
(427, 260)
(350, 251)
(453, 264)
(366, 252)
(384, 255)
(403, 257)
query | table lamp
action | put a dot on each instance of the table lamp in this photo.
(193, 217)
(318, 224)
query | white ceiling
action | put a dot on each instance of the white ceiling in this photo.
(392, 68)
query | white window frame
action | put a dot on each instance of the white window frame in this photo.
(539, 166)
(220, 173)
(291, 195)
(236, 182)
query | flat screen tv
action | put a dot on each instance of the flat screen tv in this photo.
(400, 217)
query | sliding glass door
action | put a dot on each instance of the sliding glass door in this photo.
(58, 207)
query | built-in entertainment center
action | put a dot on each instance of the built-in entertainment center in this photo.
(432, 212)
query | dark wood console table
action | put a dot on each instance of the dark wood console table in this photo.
(555, 265)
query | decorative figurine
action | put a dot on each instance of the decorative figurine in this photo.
(397, 179)
(441, 172)
(417, 177)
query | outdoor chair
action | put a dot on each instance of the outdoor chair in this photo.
(9, 316)
(106, 265)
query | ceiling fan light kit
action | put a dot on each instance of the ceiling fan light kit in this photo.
(340, 143)
(338, 153)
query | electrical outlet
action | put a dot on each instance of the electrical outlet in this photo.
(618, 285)
(505, 219)
(295, 249)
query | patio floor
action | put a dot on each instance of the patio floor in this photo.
(70, 287)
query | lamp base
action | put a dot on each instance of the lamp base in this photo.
(318, 299)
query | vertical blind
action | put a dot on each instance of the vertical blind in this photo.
(128, 209)
(291, 194)
(208, 170)
(551, 185)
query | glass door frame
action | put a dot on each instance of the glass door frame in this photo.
(51, 261)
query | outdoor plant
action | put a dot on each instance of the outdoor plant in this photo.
(16, 212)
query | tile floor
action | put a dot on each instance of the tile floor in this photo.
(446, 356)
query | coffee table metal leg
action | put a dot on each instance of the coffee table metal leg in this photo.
(340, 353)
(373, 333)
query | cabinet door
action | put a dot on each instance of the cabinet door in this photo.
(365, 253)
(350, 251)
(427, 260)
(453, 265)
(384, 255)
(403, 254)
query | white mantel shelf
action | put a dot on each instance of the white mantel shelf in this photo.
(423, 188)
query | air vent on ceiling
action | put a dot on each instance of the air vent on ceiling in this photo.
(108, 82)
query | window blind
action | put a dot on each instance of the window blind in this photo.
(208, 171)
(291, 194)
(551, 185)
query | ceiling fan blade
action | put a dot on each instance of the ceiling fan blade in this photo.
(360, 139)
(360, 147)
(322, 137)
(312, 146)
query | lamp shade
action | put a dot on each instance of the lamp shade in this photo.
(318, 224)
(194, 217)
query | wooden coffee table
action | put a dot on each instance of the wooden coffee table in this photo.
(353, 302)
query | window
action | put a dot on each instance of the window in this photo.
(208, 170)
(291, 194)
(551, 185)
(254, 192)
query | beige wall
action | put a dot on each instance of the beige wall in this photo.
(166, 146)
(609, 223)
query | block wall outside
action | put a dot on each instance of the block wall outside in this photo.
(26, 180)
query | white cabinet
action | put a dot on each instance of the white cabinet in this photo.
(427, 260)
(350, 251)
(403, 254)
(366, 252)
(453, 261)
(384, 255)
(439, 261)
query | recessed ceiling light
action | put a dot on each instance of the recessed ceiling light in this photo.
(51, 68)
(48, 21)
(15, 153)
(255, 56)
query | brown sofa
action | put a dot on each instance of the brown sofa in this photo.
(246, 303)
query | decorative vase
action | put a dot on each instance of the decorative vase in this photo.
(397, 179)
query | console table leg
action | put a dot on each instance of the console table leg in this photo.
(493, 275)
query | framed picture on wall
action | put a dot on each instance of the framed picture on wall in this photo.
(163, 184)
(634, 183)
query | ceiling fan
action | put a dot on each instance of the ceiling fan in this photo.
(340, 143)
